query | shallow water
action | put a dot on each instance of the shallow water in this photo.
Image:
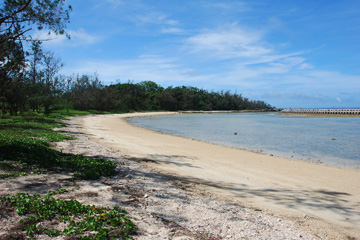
(334, 141)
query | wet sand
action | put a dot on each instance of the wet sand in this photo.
(282, 186)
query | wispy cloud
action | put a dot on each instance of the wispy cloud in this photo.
(157, 21)
(243, 47)
(246, 59)
(308, 99)
(153, 17)
(238, 6)
(77, 38)
(116, 3)
(228, 42)
(173, 30)
(146, 67)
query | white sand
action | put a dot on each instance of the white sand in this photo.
(281, 186)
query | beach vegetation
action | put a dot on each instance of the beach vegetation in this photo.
(88, 93)
(25, 148)
(149, 96)
(48, 215)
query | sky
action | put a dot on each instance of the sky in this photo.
(290, 54)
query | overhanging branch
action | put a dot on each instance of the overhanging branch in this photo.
(2, 20)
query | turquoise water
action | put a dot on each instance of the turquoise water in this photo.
(334, 141)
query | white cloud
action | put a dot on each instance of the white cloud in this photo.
(171, 22)
(81, 37)
(249, 62)
(228, 42)
(298, 99)
(146, 67)
(284, 98)
(305, 66)
(116, 2)
(308, 88)
(172, 30)
(332, 79)
(237, 6)
(243, 47)
(153, 17)
(77, 38)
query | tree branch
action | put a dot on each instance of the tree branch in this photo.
(2, 20)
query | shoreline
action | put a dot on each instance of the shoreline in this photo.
(351, 164)
(280, 185)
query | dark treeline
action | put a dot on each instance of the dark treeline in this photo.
(87, 92)
(149, 96)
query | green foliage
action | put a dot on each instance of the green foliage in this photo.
(86, 92)
(148, 96)
(24, 149)
(82, 221)
(17, 20)
(89, 168)
(16, 16)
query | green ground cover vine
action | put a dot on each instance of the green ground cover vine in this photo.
(80, 221)
(25, 149)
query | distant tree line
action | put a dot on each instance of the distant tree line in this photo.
(149, 96)
(43, 92)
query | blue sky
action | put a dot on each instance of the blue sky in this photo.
(297, 53)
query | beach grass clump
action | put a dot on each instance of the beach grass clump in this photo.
(25, 149)
(45, 214)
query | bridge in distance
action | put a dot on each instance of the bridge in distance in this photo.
(323, 111)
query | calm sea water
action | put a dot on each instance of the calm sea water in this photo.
(334, 141)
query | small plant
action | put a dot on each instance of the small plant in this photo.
(81, 221)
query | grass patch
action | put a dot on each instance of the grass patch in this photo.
(56, 217)
(25, 149)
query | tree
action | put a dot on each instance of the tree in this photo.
(153, 93)
(17, 19)
(66, 84)
(52, 84)
(35, 75)
(12, 66)
(86, 92)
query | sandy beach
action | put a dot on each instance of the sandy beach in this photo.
(282, 186)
